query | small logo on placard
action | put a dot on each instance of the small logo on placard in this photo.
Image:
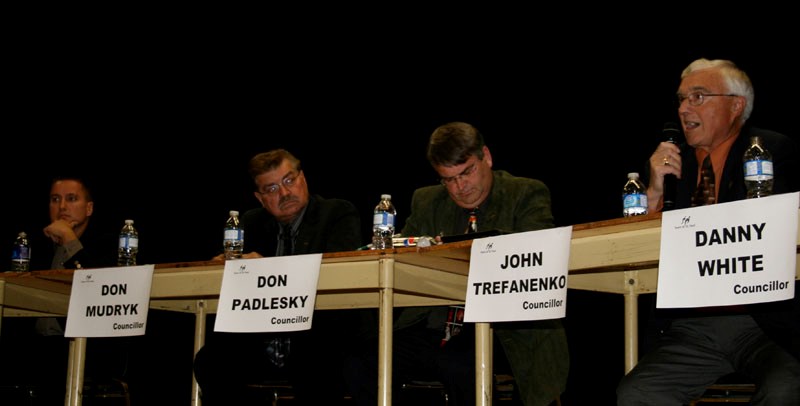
(489, 248)
(241, 271)
(686, 222)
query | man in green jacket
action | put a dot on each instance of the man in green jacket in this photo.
(473, 198)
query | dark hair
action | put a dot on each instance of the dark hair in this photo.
(267, 161)
(453, 143)
(84, 183)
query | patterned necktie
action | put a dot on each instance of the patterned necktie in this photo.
(455, 314)
(278, 348)
(287, 245)
(705, 193)
(472, 224)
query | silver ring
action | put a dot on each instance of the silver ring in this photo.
(666, 161)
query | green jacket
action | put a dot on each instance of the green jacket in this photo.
(537, 351)
(514, 205)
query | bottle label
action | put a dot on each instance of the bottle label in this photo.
(128, 242)
(21, 252)
(383, 219)
(634, 202)
(758, 170)
(232, 234)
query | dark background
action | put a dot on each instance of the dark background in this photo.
(163, 124)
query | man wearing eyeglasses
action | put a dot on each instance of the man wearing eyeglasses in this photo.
(291, 221)
(698, 346)
(471, 197)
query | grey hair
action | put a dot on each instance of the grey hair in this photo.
(736, 80)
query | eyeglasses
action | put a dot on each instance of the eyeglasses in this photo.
(288, 181)
(697, 98)
(449, 181)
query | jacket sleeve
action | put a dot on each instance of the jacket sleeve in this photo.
(533, 211)
(344, 229)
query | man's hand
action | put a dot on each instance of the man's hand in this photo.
(61, 231)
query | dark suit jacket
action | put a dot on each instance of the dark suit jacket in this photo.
(99, 251)
(229, 361)
(780, 320)
(329, 225)
(784, 156)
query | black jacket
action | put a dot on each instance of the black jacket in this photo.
(99, 251)
(329, 225)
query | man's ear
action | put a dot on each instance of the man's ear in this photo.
(739, 104)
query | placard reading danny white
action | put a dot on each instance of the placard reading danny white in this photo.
(521, 276)
(733, 253)
(109, 302)
(268, 294)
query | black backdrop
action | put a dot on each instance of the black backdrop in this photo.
(164, 128)
(165, 140)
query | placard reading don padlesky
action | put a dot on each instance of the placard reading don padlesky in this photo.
(733, 253)
(109, 302)
(521, 276)
(268, 294)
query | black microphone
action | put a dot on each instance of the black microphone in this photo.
(671, 133)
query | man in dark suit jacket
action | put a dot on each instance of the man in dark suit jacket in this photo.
(698, 346)
(290, 222)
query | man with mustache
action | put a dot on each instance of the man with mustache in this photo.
(291, 221)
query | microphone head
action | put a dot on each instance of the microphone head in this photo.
(671, 132)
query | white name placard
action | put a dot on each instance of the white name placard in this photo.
(268, 294)
(109, 302)
(728, 254)
(521, 276)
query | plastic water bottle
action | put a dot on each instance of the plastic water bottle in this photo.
(128, 245)
(21, 254)
(634, 196)
(233, 240)
(383, 223)
(758, 174)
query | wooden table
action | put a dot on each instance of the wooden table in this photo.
(349, 280)
(616, 256)
(621, 256)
